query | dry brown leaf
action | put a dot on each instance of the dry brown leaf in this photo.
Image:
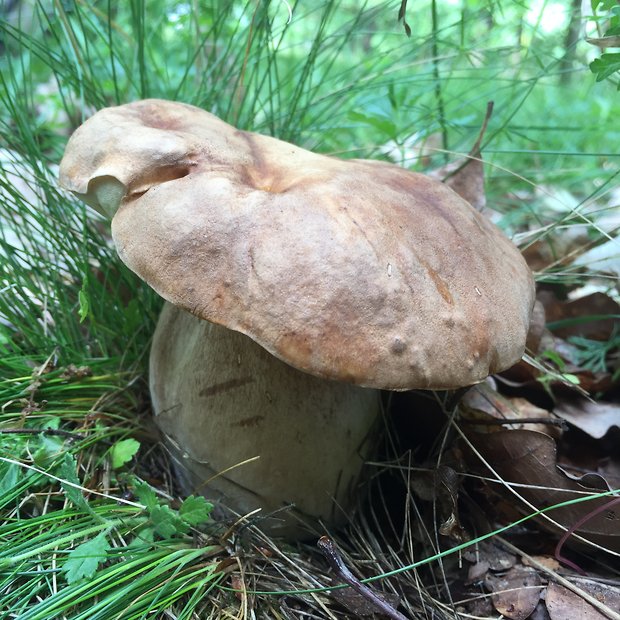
(466, 175)
(604, 42)
(562, 604)
(477, 571)
(466, 178)
(497, 558)
(581, 317)
(554, 249)
(546, 561)
(516, 594)
(482, 402)
(530, 458)
(441, 485)
(593, 418)
(537, 327)
(524, 373)
(540, 613)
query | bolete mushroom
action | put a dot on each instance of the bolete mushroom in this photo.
(314, 276)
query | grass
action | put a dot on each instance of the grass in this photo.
(75, 324)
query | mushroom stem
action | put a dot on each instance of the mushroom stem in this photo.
(222, 400)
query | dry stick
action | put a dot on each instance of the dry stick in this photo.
(604, 609)
(327, 547)
(52, 432)
(474, 152)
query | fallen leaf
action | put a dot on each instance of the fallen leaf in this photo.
(602, 259)
(604, 42)
(497, 558)
(555, 248)
(477, 571)
(545, 560)
(515, 594)
(563, 604)
(540, 613)
(593, 418)
(529, 459)
(590, 317)
(466, 175)
(466, 178)
(538, 321)
(483, 403)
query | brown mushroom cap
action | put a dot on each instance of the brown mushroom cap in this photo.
(355, 270)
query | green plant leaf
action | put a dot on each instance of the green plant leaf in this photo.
(9, 477)
(605, 5)
(67, 472)
(195, 510)
(167, 522)
(83, 561)
(605, 66)
(123, 451)
(47, 450)
(143, 538)
(383, 124)
(145, 494)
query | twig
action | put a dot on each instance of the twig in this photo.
(53, 432)
(328, 549)
(474, 152)
(604, 609)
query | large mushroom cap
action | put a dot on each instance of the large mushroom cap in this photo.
(357, 270)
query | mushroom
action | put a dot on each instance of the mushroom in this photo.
(312, 281)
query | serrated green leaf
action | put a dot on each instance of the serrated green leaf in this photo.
(67, 472)
(605, 66)
(83, 561)
(166, 522)
(123, 451)
(145, 494)
(144, 537)
(195, 510)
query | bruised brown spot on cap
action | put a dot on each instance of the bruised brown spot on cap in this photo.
(440, 285)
